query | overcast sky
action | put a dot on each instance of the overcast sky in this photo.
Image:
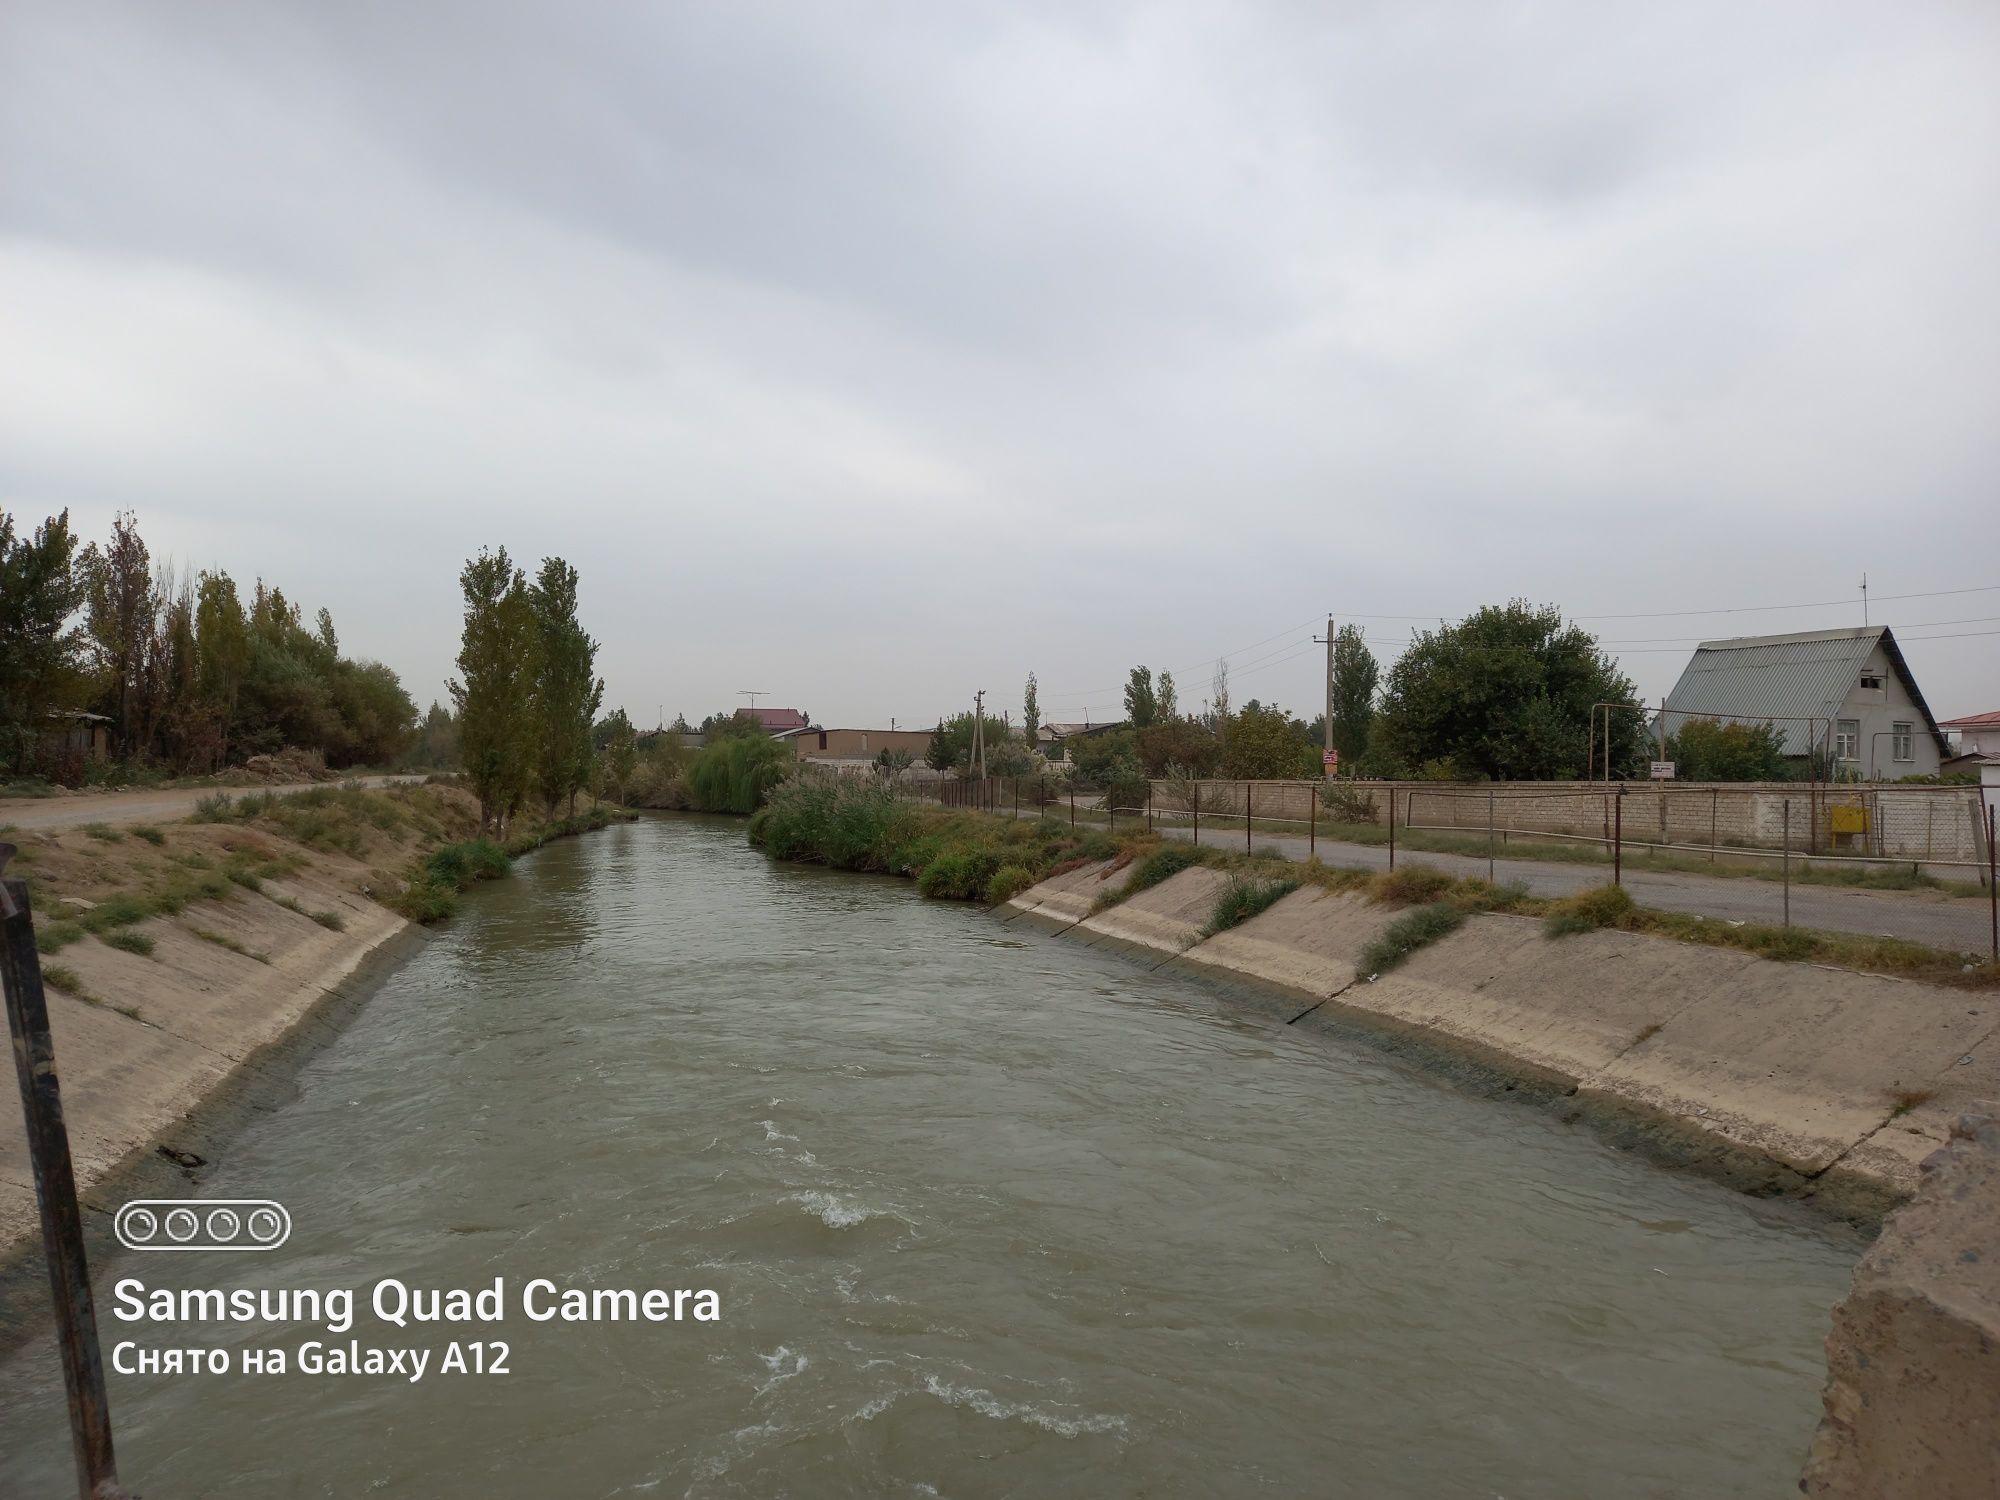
(871, 354)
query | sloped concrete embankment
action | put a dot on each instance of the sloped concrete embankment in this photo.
(188, 1024)
(1776, 1077)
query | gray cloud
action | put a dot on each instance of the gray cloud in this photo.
(874, 354)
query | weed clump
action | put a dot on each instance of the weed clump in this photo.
(1409, 932)
(1243, 898)
(1413, 885)
(126, 940)
(1008, 882)
(1590, 911)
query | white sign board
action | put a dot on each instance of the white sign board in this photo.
(1663, 770)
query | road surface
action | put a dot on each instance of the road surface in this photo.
(150, 806)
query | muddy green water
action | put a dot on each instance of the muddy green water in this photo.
(988, 1213)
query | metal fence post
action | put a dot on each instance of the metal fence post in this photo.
(1017, 796)
(1489, 835)
(1618, 839)
(1072, 801)
(1246, 817)
(1149, 804)
(1787, 861)
(55, 1192)
(1312, 827)
(1992, 884)
(1195, 798)
(1392, 825)
(1111, 806)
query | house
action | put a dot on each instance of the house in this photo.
(1845, 694)
(859, 746)
(1049, 739)
(1978, 739)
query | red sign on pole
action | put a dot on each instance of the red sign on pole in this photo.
(1330, 761)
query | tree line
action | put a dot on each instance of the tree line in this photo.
(190, 675)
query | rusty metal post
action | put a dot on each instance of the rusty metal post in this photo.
(1072, 800)
(1149, 804)
(1993, 884)
(1195, 798)
(55, 1192)
(1714, 819)
(1017, 796)
(1489, 835)
(1312, 826)
(1787, 861)
(1111, 806)
(1618, 839)
(1246, 817)
(1392, 825)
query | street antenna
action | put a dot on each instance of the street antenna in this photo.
(753, 694)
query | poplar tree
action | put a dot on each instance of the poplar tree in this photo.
(120, 616)
(621, 752)
(566, 696)
(498, 662)
(41, 654)
(1031, 711)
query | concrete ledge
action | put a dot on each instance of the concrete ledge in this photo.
(1064, 900)
(1913, 1361)
(1165, 920)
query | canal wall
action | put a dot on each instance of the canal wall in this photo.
(190, 1024)
(1778, 1077)
(1913, 1361)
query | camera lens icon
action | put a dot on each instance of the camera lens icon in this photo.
(203, 1224)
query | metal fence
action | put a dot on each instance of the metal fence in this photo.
(1915, 863)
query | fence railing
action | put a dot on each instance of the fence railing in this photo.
(1913, 862)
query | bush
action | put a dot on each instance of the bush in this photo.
(214, 808)
(151, 835)
(1243, 898)
(1590, 911)
(53, 937)
(425, 901)
(1408, 933)
(738, 774)
(457, 866)
(1008, 882)
(1161, 864)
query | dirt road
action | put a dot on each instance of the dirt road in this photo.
(136, 807)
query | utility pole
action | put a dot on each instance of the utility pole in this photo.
(978, 757)
(1864, 600)
(1328, 638)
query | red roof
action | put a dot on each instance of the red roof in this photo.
(1973, 721)
(775, 720)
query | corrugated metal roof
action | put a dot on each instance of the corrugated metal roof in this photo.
(1810, 675)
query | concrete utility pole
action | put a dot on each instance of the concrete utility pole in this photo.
(977, 760)
(1328, 638)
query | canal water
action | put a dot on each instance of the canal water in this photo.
(986, 1213)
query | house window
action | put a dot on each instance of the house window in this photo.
(1847, 739)
(1871, 679)
(1902, 741)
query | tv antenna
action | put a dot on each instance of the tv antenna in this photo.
(753, 694)
(1864, 599)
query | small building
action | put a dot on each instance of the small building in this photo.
(1845, 694)
(1974, 735)
(1051, 738)
(86, 736)
(859, 746)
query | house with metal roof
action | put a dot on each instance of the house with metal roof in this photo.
(1846, 695)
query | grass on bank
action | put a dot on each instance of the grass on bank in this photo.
(957, 854)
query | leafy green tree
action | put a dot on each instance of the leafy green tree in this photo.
(437, 739)
(1031, 711)
(735, 724)
(498, 663)
(1708, 750)
(222, 649)
(41, 651)
(1266, 744)
(566, 693)
(951, 743)
(374, 717)
(1186, 745)
(1506, 693)
(1169, 705)
(737, 773)
(120, 618)
(1142, 707)
(1355, 677)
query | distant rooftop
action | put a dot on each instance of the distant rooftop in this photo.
(1973, 721)
(775, 720)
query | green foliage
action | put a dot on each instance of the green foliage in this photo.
(1162, 864)
(1355, 678)
(565, 693)
(737, 774)
(1708, 750)
(621, 753)
(951, 744)
(41, 651)
(1142, 706)
(1267, 744)
(499, 663)
(103, 832)
(1412, 885)
(1507, 694)
(66, 980)
(1031, 711)
(53, 937)
(460, 865)
(1186, 746)
(1243, 898)
(128, 941)
(1008, 882)
(150, 834)
(1590, 911)
(1409, 932)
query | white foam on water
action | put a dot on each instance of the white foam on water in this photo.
(772, 1133)
(989, 1405)
(839, 1213)
(783, 1365)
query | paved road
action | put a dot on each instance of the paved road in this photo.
(1956, 923)
(139, 806)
